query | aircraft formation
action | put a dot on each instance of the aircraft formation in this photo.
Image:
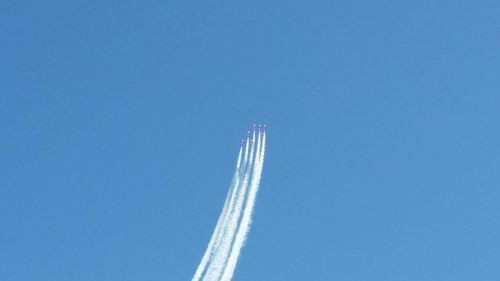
(261, 128)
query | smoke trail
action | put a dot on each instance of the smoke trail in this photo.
(251, 170)
(220, 258)
(234, 193)
(218, 227)
(247, 215)
(216, 267)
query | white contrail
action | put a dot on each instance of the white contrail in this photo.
(234, 192)
(216, 267)
(246, 220)
(220, 258)
(229, 198)
(251, 171)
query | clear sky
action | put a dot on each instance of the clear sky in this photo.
(121, 122)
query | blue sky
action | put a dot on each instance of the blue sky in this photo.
(121, 122)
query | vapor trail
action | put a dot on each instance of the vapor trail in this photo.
(239, 211)
(235, 186)
(246, 220)
(208, 252)
(216, 267)
(219, 260)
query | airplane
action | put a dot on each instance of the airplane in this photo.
(254, 126)
(242, 141)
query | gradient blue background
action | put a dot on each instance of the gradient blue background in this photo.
(121, 121)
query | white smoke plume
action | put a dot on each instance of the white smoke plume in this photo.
(216, 268)
(246, 220)
(218, 227)
(219, 260)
